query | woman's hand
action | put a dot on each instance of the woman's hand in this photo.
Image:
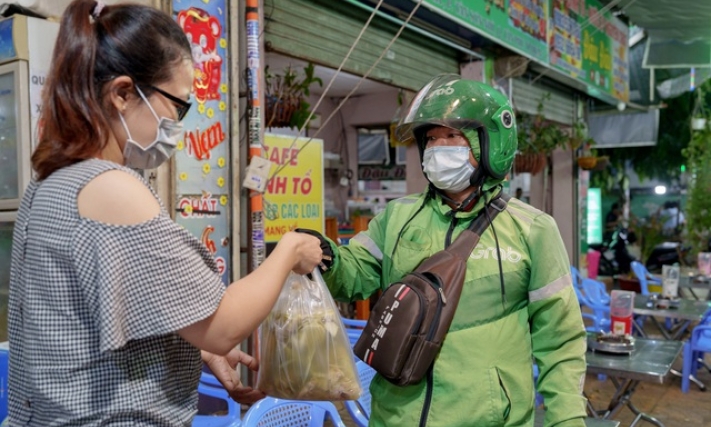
(225, 370)
(304, 249)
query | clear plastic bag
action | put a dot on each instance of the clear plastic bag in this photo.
(304, 351)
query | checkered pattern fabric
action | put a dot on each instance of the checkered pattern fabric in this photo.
(94, 309)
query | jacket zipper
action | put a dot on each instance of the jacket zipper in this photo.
(430, 372)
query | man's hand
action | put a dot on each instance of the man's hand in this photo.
(225, 370)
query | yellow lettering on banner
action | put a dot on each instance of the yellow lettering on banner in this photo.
(590, 51)
(605, 57)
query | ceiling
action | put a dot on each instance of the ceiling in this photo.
(681, 20)
(343, 84)
(679, 31)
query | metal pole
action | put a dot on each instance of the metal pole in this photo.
(256, 208)
(257, 247)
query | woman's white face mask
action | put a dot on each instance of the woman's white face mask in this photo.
(157, 152)
(448, 168)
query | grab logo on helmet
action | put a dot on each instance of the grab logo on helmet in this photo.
(507, 254)
(447, 89)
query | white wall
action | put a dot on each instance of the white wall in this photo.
(377, 109)
(557, 196)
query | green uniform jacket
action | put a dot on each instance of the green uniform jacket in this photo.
(483, 374)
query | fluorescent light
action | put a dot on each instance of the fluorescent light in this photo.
(660, 189)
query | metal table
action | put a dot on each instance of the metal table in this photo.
(650, 361)
(688, 311)
(690, 279)
(589, 422)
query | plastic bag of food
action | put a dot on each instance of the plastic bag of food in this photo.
(303, 347)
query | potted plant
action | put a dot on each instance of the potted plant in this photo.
(286, 94)
(588, 157)
(698, 116)
(537, 138)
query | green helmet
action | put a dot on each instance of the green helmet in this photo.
(451, 101)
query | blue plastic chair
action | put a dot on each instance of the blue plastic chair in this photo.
(646, 282)
(694, 349)
(582, 301)
(211, 387)
(645, 278)
(360, 409)
(593, 295)
(272, 412)
(354, 328)
(578, 284)
(4, 374)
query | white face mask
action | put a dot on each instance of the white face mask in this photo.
(448, 168)
(158, 151)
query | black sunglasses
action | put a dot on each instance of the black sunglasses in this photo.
(181, 106)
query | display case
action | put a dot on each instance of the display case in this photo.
(7, 224)
(26, 45)
(15, 147)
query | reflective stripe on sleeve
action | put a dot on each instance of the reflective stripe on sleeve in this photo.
(369, 244)
(550, 289)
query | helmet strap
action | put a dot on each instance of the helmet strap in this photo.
(464, 206)
(478, 177)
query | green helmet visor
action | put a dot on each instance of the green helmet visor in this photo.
(448, 100)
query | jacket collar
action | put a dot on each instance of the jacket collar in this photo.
(444, 209)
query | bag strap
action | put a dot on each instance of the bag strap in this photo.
(465, 243)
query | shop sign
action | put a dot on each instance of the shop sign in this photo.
(202, 160)
(590, 46)
(520, 25)
(381, 173)
(294, 196)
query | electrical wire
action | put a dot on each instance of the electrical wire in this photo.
(360, 81)
(333, 78)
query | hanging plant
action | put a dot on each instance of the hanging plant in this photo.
(537, 139)
(698, 116)
(286, 94)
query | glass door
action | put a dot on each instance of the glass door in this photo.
(7, 223)
(14, 134)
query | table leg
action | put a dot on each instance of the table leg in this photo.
(680, 329)
(621, 398)
(692, 378)
(640, 328)
(661, 328)
(691, 290)
(650, 419)
(704, 364)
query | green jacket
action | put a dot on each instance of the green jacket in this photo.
(483, 374)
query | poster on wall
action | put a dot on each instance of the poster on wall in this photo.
(201, 172)
(520, 25)
(294, 196)
(590, 46)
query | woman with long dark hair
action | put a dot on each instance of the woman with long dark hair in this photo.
(110, 300)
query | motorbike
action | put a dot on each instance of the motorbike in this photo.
(614, 257)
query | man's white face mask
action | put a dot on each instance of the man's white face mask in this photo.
(448, 168)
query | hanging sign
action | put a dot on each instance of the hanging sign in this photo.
(294, 196)
(590, 45)
(520, 25)
(202, 172)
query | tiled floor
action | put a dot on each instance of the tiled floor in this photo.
(665, 402)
